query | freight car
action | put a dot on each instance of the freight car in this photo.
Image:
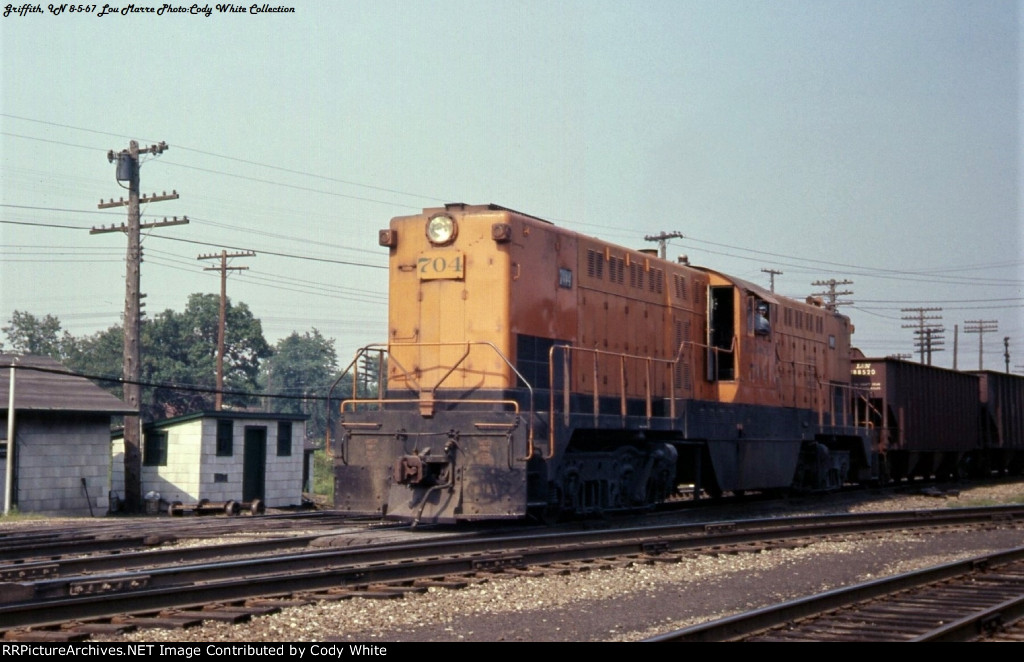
(937, 423)
(927, 418)
(530, 369)
(1001, 420)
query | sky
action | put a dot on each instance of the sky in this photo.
(876, 142)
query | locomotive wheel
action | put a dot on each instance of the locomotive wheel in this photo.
(551, 513)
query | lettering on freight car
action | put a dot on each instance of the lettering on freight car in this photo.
(862, 369)
(433, 265)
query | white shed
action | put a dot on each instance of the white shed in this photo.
(221, 456)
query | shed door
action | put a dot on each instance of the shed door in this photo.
(254, 471)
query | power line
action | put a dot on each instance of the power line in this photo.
(170, 386)
(219, 156)
(208, 243)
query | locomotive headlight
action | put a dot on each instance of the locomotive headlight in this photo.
(441, 229)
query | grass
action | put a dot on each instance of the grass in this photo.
(15, 516)
(323, 474)
(1006, 501)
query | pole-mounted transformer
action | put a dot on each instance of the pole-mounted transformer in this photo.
(125, 165)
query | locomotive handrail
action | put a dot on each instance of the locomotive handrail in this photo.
(814, 375)
(863, 394)
(455, 366)
(851, 390)
(647, 362)
(413, 385)
(354, 367)
(327, 432)
(477, 401)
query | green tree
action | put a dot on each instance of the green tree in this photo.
(302, 369)
(179, 353)
(181, 349)
(99, 355)
(29, 334)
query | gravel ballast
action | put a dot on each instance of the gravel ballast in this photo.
(626, 604)
(622, 604)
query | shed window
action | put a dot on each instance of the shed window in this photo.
(225, 438)
(284, 438)
(154, 450)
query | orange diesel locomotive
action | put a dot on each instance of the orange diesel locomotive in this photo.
(530, 369)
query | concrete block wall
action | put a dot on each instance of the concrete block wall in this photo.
(284, 473)
(283, 477)
(179, 479)
(117, 468)
(228, 465)
(63, 464)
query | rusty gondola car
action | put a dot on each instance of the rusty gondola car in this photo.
(938, 423)
(1002, 423)
(927, 417)
(531, 369)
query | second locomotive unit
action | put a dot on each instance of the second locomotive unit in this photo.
(530, 369)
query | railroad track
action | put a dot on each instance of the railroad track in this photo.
(185, 593)
(49, 541)
(970, 600)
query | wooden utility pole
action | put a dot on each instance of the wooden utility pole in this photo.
(772, 273)
(128, 170)
(981, 327)
(223, 269)
(924, 332)
(833, 296)
(956, 344)
(662, 239)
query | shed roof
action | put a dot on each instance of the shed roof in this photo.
(227, 414)
(43, 384)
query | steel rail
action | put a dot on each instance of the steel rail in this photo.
(761, 622)
(112, 537)
(51, 601)
(728, 531)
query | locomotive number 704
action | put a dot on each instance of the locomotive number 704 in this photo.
(437, 264)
